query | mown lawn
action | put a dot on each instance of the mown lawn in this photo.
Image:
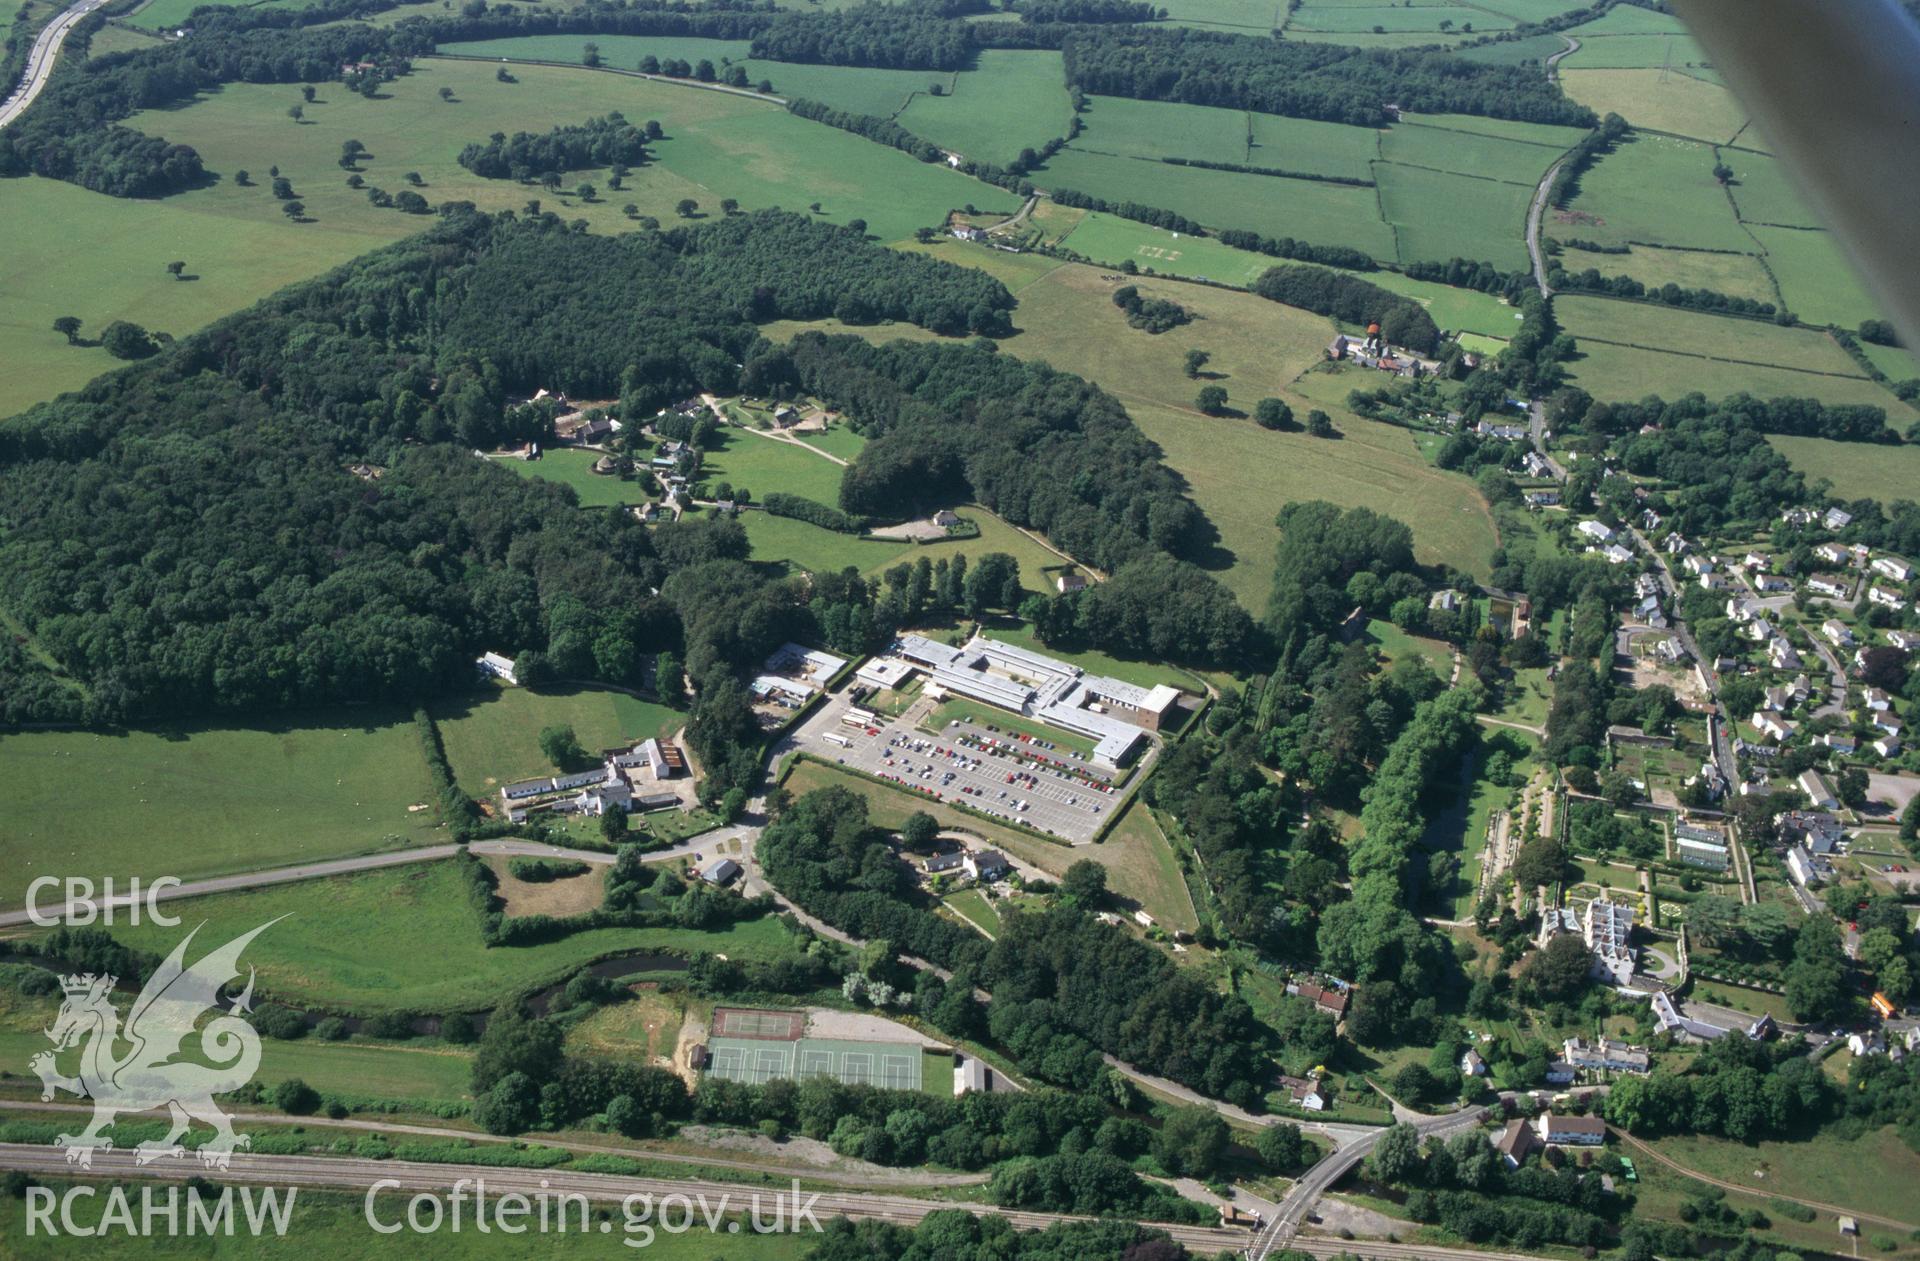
(492, 735)
(407, 939)
(575, 469)
(198, 801)
(765, 465)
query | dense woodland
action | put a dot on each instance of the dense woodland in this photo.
(145, 516)
(1065, 986)
(1324, 81)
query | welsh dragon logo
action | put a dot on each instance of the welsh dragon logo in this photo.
(151, 1073)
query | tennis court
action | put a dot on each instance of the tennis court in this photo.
(896, 1066)
(752, 1022)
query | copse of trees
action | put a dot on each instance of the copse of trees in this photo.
(1330, 82)
(595, 143)
(1402, 321)
(1150, 315)
(879, 130)
(1323, 549)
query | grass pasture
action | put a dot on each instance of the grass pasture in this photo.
(1711, 336)
(1256, 16)
(1011, 99)
(1630, 20)
(1856, 469)
(1437, 215)
(493, 735)
(1826, 1168)
(1321, 17)
(1636, 52)
(1468, 153)
(196, 801)
(1624, 372)
(1764, 193)
(575, 468)
(1741, 275)
(1655, 190)
(103, 258)
(1154, 129)
(1302, 144)
(1898, 363)
(1334, 214)
(406, 939)
(1816, 277)
(1658, 101)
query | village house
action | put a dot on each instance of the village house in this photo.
(1831, 585)
(1819, 831)
(986, 865)
(1877, 700)
(1819, 792)
(1517, 1142)
(1782, 655)
(1887, 745)
(1605, 1055)
(1558, 1131)
(1771, 583)
(1542, 498)
(1772, 726)
(1893, 567)
(493, 665)
(1840, 742)
(1471, 1065)
(1834, 553)
(1837, 633)
(1905, 641)
(1837, 519)
(1598, 531)
(1807, 868)
(1888, 723)
(1695, 563)
(1616, 554)
(1886, 598)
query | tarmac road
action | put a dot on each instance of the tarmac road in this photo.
(46, 50)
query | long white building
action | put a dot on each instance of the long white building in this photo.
(1114, 714)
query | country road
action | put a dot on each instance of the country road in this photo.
(1535, 213)
(895, 1177)
(348, 866)
(40, 61)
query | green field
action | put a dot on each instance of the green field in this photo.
(1238, 473)
(1438, 216)
(195, 801)
(1658, 101)
(72, 252)
(1656, 190)
(575, 468)
(1258, 16)
(765, 465)
(1302, 144)
(1857, 470)
(406, 939)
(1468, 153)
(1898, 363)
(1713, 336)
(1764, 193)
(493, 735)
(1740, 275)
(1826, 1168)
(1636, 52)
(1346, 19)
(1619, 372)
(1155, 129)
(1332, 214)
(1013, 99)
(1816, 277)
(108, 39)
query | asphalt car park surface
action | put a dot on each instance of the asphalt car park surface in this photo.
(996, 780)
